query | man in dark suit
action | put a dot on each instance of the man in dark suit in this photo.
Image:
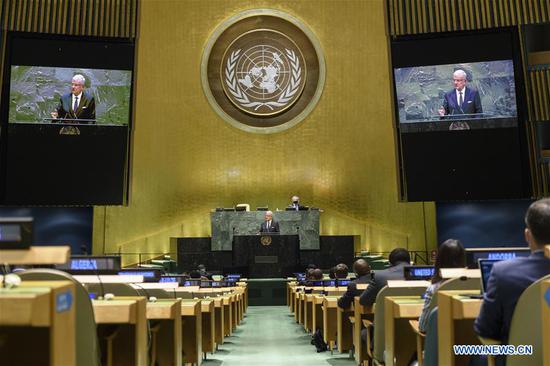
(362, 270)
(461, 102)
(78, 104)
(269, 225)
(510, 278)
(399, 258)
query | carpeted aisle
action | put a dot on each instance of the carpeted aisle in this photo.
(270, 336)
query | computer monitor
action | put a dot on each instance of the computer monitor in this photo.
(16, 232)
(342, 283)
(84, 264)
(474, 254)
(149, 275)
(486, 266)
(418, 272)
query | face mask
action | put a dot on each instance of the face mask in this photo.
(296, 202)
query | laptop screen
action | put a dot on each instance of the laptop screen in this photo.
(485, 266)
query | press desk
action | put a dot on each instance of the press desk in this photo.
(455, 318)
(129, 346)
(191, 313)
(33, 313)
(167, 348)
(400, 341)
(344, 330)
(208, 325)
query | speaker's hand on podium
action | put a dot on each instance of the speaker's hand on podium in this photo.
(54, 114)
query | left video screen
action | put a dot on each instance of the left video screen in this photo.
(42, 94)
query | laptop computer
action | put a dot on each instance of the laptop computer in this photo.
(485, 266)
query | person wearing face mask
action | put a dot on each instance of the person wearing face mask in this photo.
(295, 205)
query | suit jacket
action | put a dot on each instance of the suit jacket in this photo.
(300, 207)
(274, 228)
(85, 110)
(506, 283)
(347, 298)
(471, 104)
(368, 297)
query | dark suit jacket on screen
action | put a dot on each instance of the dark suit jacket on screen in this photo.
(347, 298)
(274, 228)
(368, 297)
(506, 283)
(85, 110)
(471, 104)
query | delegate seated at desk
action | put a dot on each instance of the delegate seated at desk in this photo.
(269, 225)
(508, 279)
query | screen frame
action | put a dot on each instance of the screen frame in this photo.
(11, 38)
(521, 107)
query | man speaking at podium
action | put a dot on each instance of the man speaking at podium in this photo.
(269, 225)
(462, 99)
(77, 105)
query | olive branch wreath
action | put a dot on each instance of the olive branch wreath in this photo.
(242, 98)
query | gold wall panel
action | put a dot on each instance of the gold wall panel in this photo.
(187, 160)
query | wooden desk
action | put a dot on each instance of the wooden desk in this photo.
(330, 328)
(545, 308)
(191, 313)
(219, 320)
(344, 330)
(400, 341)
(227, 316)
(455, 324)
(208, 326)
(547, 251)
(39, 315)
(167, 341)
(36, 255)
(129, 346)
(317, 313)
(308, 312)
(359, 313)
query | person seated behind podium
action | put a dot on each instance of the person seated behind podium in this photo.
(295, 205)
(362, 270)
(269, 225)
(202, 270)
(78, 104)
(341, 271)
(450, 254)
(399, 258)
(508, 279)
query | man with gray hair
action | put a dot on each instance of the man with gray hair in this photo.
(269, 225)
(462, 101)
(78, 106)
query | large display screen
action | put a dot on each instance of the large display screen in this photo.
(66, 120)
(459, 115)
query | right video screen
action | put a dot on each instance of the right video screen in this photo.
(468, 95)
(460, 116)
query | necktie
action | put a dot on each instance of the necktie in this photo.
(268, 224)
(75, 104)
(460, 99)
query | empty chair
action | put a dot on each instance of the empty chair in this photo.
(87, 345)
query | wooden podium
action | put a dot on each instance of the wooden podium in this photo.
(266, 256)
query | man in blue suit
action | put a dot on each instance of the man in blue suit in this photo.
(462, 100)
(510, 278)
